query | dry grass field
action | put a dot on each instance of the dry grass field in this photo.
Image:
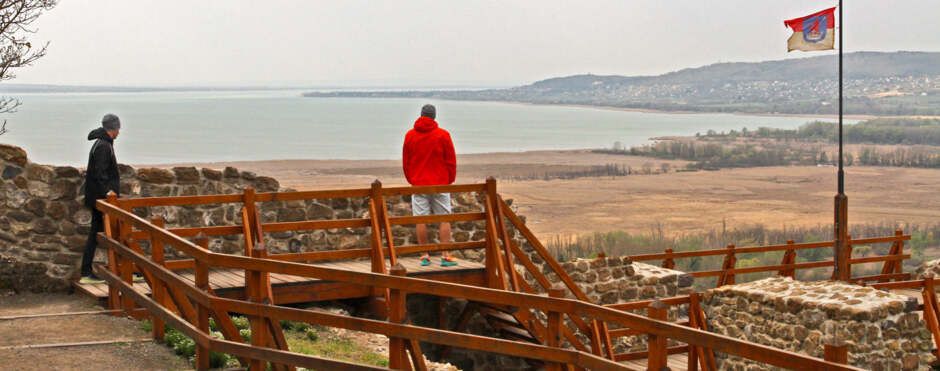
(677, 202)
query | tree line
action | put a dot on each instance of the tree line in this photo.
(901, 130)
(805, 145)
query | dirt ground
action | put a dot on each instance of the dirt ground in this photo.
(16, 334)
(679, 202)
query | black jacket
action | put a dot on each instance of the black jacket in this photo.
(101, 175)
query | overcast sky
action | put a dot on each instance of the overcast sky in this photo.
(425, 43)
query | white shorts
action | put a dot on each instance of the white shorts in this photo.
(438, 203)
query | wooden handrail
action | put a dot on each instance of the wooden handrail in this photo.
(452, 188)
(633, 305)
(312, 195)
(723, 251)
(443, 218)
(759, 249)
(180, 200)
(517, 222)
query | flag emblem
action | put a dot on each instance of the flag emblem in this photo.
(812, 32)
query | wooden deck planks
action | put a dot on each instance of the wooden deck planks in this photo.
(222, 280)
(675, 362)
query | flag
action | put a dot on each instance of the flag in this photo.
(813, 32)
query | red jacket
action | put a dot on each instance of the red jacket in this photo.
(428, 156)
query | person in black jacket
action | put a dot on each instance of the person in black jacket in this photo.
(101, 177)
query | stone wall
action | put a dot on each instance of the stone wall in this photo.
(883, 330)
(43, 223)
(928, 267)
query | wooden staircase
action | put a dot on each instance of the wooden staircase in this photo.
(519, 323)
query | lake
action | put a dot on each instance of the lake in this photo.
(173, 127)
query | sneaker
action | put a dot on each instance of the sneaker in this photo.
(90, 280)
(449, 261)
(425, 261)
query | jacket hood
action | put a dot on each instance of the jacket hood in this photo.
(425, 124)
(99, 133)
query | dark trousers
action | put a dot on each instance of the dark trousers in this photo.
(97, 225)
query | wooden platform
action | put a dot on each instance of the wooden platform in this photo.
(293, 289)
(675, 362)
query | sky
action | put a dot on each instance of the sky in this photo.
(403, 43)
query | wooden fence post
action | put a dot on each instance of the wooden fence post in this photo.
(669, 263)
(495, 269)
(248, 202)
(378, 256)
(899, 264)
(379, 300)
(110, 230)
(397, 358)
(504, 236)
(789, 258)
(727, 278)
(553, 338)
(656, 344)
(386, 224)
(202, 313)
(836, 353)
(159, 291)
(848, 258)
(127, 275)
(931, 310)
(897, 249)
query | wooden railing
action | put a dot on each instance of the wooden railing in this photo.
(657, 350)
(188, 306)
(891, 268)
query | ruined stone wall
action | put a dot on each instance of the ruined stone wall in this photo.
(928, 267)
(883, 331)
(43, 223)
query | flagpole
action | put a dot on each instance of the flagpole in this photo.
(841, 172)
(841, 253)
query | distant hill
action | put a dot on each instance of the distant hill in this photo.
(897, 83)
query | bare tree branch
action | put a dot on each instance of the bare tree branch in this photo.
(16, 51)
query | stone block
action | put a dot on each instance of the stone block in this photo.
(20, 216)
(10, 172)
(155, 175)
(290, 215)
(66, 172)
(63, 189)
(39, 173)
(186, 175)
(211, 174)
(230, 172)
(38, 188)
(266, 184)
(14, 154)
(44, 226)
(317, 211)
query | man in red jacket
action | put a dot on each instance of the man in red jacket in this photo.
(428, 158)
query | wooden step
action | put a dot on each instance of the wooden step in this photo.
(500, 316)
(518, 334)
(500, 308)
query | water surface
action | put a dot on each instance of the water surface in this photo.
(171, 127)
